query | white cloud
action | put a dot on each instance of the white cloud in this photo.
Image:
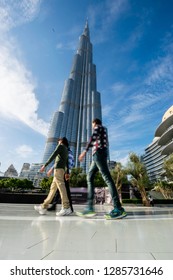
(139, 103)
(114, 9)
(119, 87)
(133, 40)
(104, 14)
(66, 40)
(161, 70)
(17, 88)
(120, 156)
(59, 46)
(66, 46)
(106, 110)
(145, 93)
(133, 117)
(14, 13)
(24, 151)
(17, 91)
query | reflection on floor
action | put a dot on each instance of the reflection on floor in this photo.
(146, 233)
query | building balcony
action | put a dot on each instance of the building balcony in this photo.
(168, 149)
(164, 126)
(166, 137)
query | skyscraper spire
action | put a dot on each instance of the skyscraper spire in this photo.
(86, 29)
(80, 104)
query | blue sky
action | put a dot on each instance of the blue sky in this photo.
(133, 52)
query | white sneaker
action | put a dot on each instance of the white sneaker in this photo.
(64, 212)
(40, 210)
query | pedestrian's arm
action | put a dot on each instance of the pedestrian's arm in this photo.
(67, 176)
(42, 168)
(53, 155)
(49, 172)
(90, 144)
(92, 138)
(82, 155)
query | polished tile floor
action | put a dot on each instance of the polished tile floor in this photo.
(146, 234)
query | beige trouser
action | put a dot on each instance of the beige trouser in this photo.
(57, 183)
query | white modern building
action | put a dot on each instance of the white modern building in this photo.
(161, 147)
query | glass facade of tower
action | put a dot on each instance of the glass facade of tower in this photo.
(80, 104)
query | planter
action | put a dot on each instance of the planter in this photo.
(78, 195)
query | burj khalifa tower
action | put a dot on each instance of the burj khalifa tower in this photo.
(80, 104)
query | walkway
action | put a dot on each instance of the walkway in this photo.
(146, 233)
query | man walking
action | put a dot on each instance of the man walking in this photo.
(99, 144)
(52, 206)
(61, 160)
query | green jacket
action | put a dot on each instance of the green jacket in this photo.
(60, 155)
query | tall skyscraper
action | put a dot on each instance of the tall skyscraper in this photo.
(80, 104)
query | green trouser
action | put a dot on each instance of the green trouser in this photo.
(99, 163)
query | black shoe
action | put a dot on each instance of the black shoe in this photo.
(52, 208)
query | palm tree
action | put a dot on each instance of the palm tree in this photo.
(168, 168)
(165, 184)
(139, 176)
(119, 176)
(165, 188)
